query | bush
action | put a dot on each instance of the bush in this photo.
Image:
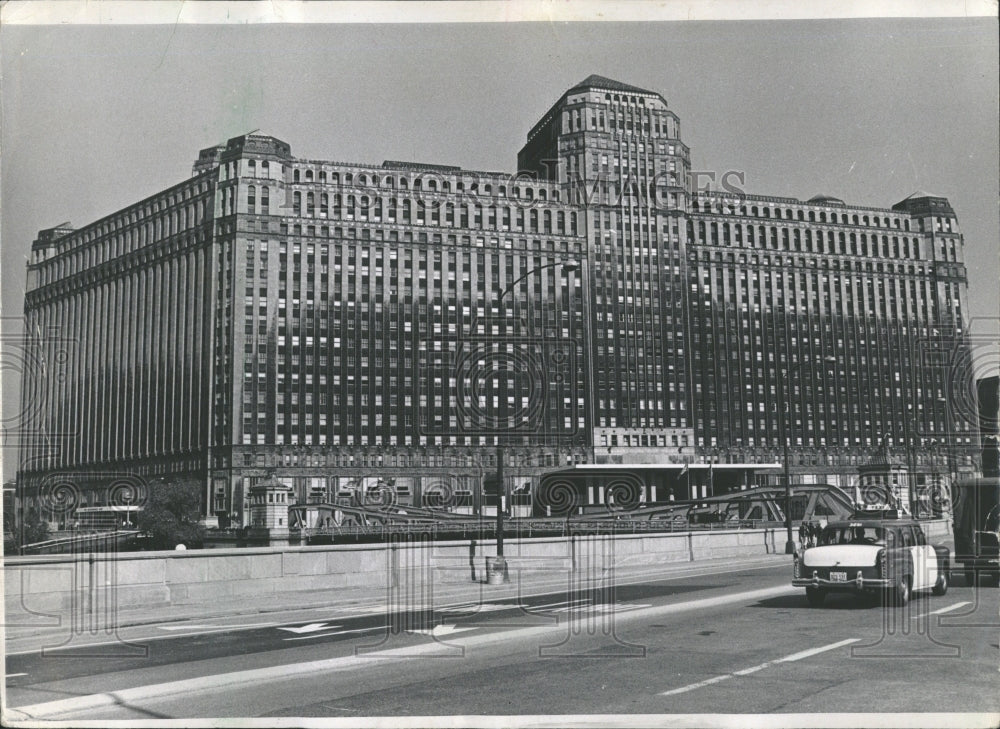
(171, 513)
(32, 530)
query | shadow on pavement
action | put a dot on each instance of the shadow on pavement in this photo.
(832, 602)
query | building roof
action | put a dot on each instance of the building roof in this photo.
(610, 84)
(919, 194)
(672, 466)
(829, 199)
(925, 203)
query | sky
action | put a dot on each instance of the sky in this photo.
(97, 117)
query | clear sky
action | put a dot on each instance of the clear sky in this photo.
(97, 117)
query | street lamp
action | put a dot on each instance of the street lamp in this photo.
(948, 441)
(500, 565)
(783, 407)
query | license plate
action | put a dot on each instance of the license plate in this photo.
(838, 577)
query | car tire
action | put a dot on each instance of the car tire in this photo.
(970, 577)
(815, 596)
(901, 593)
(941, 586)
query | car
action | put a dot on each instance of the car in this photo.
(874, 556)
(976, 525)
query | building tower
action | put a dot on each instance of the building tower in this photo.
(616, 151)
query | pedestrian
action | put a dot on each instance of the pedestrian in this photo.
(804, 534)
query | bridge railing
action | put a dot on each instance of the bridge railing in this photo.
(95, 540)
(523, 528)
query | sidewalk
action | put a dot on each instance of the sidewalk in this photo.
(371, 599)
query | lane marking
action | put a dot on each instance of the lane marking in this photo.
(637, 579)
(339, 632)
(146, 638)
(310, 628)
(475, 608)
(185, 627)
(620, 607)
(213, 628)
(241, 680)
(442, 630)
(753, 669)
(942, 611)
(554, 605)
(815, 651)
(15, 675)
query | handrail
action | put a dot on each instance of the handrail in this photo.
(529, 528)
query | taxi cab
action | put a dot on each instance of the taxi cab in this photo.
(888, 557)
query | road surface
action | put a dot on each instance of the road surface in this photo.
(707, 639)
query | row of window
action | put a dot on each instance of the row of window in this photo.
(431, 181)
(407, 211)
(723, 206)
(809, 240)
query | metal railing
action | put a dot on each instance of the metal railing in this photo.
(521, 529)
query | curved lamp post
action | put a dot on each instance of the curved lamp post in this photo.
(500, 565)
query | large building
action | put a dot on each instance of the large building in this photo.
(386, 326)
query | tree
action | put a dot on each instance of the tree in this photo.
(33, 529)
(170, 516)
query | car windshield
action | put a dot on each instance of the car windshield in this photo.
(852, 535)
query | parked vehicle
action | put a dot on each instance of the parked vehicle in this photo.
(881, 556)
(977, 531)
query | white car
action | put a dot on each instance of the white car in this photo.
(865, 555)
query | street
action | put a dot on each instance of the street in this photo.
(703, 640)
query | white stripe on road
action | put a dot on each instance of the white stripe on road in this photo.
(340, 632)
(241, 680)
(213, 628)
(942, 611)
(15, 675)
(813, 651)
(753, 669)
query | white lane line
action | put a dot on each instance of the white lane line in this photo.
(813, 651)
(311, 628)
(242, 680)
(440, 630)
(213, 628)
(942, 611)
(339, 632)
(476, 608)
(753, 669)
(15, 675)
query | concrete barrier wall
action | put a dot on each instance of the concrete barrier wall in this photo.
(939, 531)
(134, 580)
(139, 579)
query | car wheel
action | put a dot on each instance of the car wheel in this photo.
(815, 596)
(941, 586)
(902, 591)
